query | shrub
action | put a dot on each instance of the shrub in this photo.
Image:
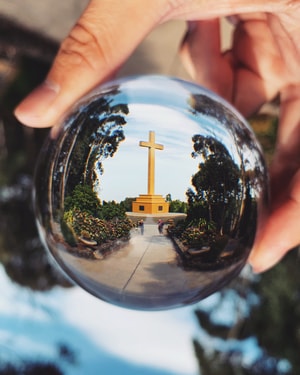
(84, 199)
(97, 229)
(68, 233)
(192, 236)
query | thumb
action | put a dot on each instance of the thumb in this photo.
(102, 39)
(280, 232)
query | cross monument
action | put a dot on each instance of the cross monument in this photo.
(152, 146)
(150, 203)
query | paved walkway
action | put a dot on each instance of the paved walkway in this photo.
(145, 273)
(147, 268)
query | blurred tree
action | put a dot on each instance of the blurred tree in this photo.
(267, 311)
(25, 58)
(30, 368)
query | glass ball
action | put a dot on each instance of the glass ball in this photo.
(148, 194)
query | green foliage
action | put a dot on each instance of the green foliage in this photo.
(217, 181)
(194, 234)
(127, 204)
(192, 237)
(68, 233)
(208, 205)
(169, 198)
(276, 319)
(111, 210)
(265, 127)
(195, 237)
(178, 206)
(97, 229)
(99, 131)
(84, 199)
(87, 217)
(217, 188)
(273, 320)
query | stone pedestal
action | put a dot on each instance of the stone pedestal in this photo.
(150, 204)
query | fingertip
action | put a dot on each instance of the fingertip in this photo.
(256, 266)
(36, 110)
(263, 258)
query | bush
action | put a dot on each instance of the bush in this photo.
(84, 199)
(68, 233)
(111, 210)
(192, 236)
(96, 229)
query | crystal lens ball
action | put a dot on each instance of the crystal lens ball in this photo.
(149, 192)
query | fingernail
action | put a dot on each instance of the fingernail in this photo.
(34, 108)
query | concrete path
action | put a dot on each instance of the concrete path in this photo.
(146, 269)
(145, 273)
(145, 256)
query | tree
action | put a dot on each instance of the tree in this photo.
(84, 199)
(112, 210)
(127, 204)
(95, 135)
(217, 183)
(178, 206)
(242, 136)
(264, 310)
(169, 198)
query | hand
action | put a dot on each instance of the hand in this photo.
(263, 61)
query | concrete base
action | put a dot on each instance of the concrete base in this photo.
(174, 216)
(150, 204)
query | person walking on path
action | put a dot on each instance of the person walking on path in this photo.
(141, 226)
(160, 226)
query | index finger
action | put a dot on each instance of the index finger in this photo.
(102, 39)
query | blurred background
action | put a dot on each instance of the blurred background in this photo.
(50, 326)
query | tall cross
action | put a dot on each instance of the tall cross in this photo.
(152, 146)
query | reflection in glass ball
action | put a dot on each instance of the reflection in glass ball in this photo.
(148, 195)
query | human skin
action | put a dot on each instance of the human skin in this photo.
(262, 63)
